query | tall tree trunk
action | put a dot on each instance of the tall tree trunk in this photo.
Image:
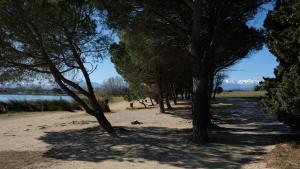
(175, 98)
(160, 93)
(168, 101)
(186, 94)
(174, 94)
(214, 93)
(210, 91)
(213, 86)
(200, 108)
(156, 100)
(189, 93)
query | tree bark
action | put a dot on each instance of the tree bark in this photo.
(210, 91)
(214, 93)
(182, 95)
(104, 123)
(200, 109)
(156, 100)
(169, 107)
(186, 94)
(175, 98)
(174, 94)
(213, 86)
(160, 93)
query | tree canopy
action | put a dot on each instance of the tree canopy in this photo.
(283, 91)
(57, 38)
(212, 35)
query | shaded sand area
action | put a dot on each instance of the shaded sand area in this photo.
(64, 140)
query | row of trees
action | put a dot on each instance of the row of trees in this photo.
(170, 46)
(113, 86)
(182, 43)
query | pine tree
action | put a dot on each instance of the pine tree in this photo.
(283, 39)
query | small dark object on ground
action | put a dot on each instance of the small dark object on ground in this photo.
(136, 123)
(3, 108)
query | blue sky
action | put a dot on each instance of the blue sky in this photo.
(256, 66)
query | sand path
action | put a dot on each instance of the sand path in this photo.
(64, 140)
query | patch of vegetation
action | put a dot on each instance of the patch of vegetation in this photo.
(242, 94)
(38, 106)
(282, 30)
(284, 156)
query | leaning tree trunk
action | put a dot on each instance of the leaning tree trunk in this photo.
(94, 109)
(152, 104)
(142, 103)
(200, 108)
(102, 120)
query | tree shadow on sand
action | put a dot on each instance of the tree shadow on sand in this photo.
(164, 145)
(231, 147)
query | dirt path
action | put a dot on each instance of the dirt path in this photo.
(66, 140)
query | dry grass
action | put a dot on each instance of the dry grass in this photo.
(284, 156)
(242, 94)
(22, 159)
(116, 99)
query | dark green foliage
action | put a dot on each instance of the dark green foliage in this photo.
(44, 105)
(259, 87)
(283, 33)
(39, 105)
(138, 93)
(59, 39)
(219, 90)
(218, 81)
(208, 35)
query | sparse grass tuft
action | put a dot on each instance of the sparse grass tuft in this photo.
(284, 156)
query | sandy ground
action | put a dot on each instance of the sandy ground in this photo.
(64, 140)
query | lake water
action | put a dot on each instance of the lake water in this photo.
(4, 97)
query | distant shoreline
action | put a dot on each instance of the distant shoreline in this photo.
(35, 94)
